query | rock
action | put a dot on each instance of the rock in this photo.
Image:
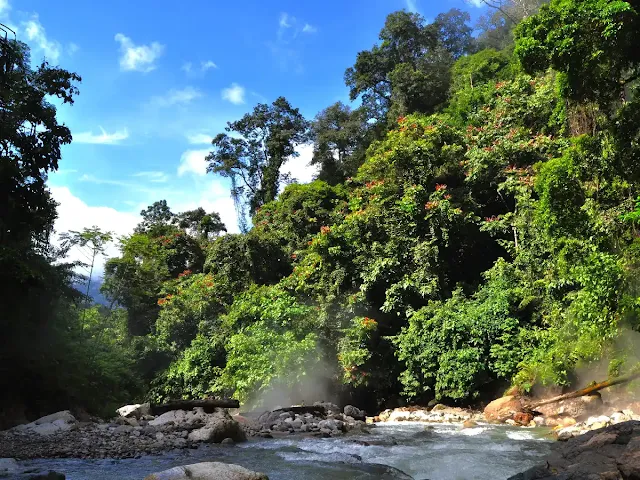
(593, 422)
(502, 409)
(439, 406)
(227, 441)
(8, 466)
(432, 403)
(174, 416)
(384, 416)
(64, 415)
(578, 408)
(328, 406)
(611, 453)
(122, 429)
(354, 412)
(539, 421)
(523, 418)
(219, 426)
(469, 424)
(136, 411)
(208, 471)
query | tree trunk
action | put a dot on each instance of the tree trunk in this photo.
(208, 404)
(585, 391)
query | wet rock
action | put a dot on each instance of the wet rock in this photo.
(469, 424)
(354, 412)
(208, 471)
(610, 453)
(136, 411)
(523, 418)
(227, 441)
(219, 426)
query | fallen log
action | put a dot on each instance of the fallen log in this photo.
(585, 391)
(208, 404)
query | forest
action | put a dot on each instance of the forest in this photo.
(474, 226)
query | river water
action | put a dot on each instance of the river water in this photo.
(434, 452)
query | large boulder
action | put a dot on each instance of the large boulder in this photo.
(208, 471)
(219, 426)
(50, 424)
(578, 408)
(175, 417)
(503, 409)
(134, 411)
(609, 453)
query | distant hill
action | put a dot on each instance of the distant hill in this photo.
(94, 290)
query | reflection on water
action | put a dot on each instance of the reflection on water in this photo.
(435, 452)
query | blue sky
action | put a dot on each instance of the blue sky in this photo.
(161, 78)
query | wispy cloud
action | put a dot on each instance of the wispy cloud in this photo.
(194, 71)
(154, 177)
(193, 161)
(35, 32)
(412, 6)
(103, 138)
(199, 139)
(286, 48)
(207, 65)
(477, 3)
(139, 58)
(176, 97)
(234, 94)
(308, 28)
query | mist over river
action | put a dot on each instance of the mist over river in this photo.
(421, 451)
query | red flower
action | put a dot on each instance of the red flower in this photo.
(491, 219)
(324, 230)
(440, 186)
(430, 205)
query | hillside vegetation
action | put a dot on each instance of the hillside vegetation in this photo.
(474, 226)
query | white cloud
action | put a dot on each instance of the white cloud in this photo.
(154, 177)
(72, 48)
(35, 32)
(103, 138)
(478, 3)
(199, 139)
(192, 161)
(300, 167)
(309, 28)
(207, 65)
(234, 94)
(187, 67)
(413, 7)
(177, 97)
(286, 20)
(139, 58)
(4, 7)
(74, 214)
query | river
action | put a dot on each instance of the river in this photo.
(434, 452)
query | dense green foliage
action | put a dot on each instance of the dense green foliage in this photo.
(474, 226)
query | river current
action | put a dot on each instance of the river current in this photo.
(391, 451)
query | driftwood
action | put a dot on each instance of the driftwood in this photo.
(208, 404)
(585, 391)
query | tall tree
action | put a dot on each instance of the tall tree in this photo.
(156, 219)
(454, 32)
(340, 137)
(33, 287)
(261, 143)
(91, 240)
(405, 40)
(409, 70)
(200, 223)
